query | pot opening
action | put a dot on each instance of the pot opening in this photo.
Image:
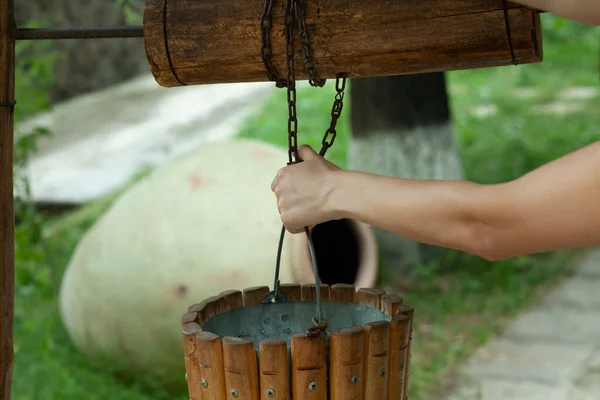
(337, 249)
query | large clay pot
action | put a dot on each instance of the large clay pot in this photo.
(204, 223)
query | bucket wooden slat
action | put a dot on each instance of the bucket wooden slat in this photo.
(399, 335)
(309, 292)
(292, 291)
(210, 359)
(377, 342)
(369, 297)
(200, 310)
(254, 295)
(213, 307)
(274, 370)
(192, 368)
(231, 299)
(409, 312)
(342, 293)
(309, 367)
(241, 369)
(390, 304)
(347, 363)
(188, 318)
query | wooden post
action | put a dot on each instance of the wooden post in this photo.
(309, 367)
(274, 370)
(255, 295)
(241, 369)
(347, 363)
(369, 297)
(292, 291)
(390, 304)
(210, 358)
(309, 292)
(399, 338)
(7, 218)
(342, 293)
(192, 367)
(377, 344)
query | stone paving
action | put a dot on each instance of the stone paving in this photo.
(549, 352)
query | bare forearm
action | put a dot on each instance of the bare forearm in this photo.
(442, 213)
(553, 207)
(582, 11)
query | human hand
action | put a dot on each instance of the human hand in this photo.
(304, 191)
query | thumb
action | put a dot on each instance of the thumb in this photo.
(307, 153)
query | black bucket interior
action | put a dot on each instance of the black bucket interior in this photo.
(338, 254)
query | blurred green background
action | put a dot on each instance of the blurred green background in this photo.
(507, 122)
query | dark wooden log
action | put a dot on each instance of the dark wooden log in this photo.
(7, 219)
(219, 41)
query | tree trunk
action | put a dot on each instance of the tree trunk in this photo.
(401, 126)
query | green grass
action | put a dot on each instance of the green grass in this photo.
(460, 300)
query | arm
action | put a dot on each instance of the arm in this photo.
(555, 206)
(582, 11)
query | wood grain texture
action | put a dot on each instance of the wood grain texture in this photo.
(231, 299)
(210, 359)
(241, 368)
(214, 305)
(292, 291)
(399, 337)
(390, 304)
(309, 367)
(200, 310)
(347, 363)
(7, 217)
(192, 367)
(274, 370)
(309, 292)
(255, 295)
(219, 41)
(188, 318)
(342, 293)
(408, 312)
(369, 297)
(377, 344)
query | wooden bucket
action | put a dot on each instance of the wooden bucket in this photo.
(219, 41)
(239, 347)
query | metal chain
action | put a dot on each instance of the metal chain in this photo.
(295, 13)
(290, 15)
(314, 79)
(266, 23)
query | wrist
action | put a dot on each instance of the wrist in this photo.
(339, 195)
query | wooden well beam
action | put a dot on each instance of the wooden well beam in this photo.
(219, 41)
(7, 217)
